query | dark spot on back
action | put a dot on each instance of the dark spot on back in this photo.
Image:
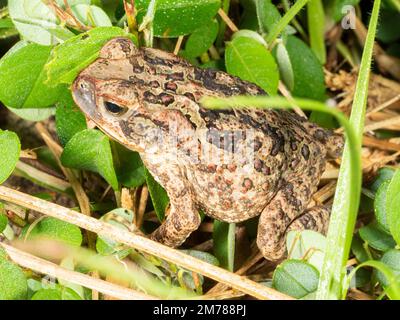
(166, 99)
(305, 151)
(190, 96)
(150, 97)
(154, 84)
(172, 86)
(177, 76)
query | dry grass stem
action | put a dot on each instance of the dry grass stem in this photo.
(382, 124)
(178, 45)
(285, 92)
(42, 266)
(227, 20)
(144, 196)
(384, 105)
(41, 177)
(143, 244)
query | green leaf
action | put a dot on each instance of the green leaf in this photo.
(32, 114)
(13, 285)
(307, 244)
(316, 28)
(383, 174)
(285, 65)
(392, 260)
(91, 15)
(388, 30)
(6, 23)
(251, 61)
(69, 294)
(175, 18)
(247, 20)
(393, 205)
(10, 148)
(205, 256)
(3, 222)
(3, 253)
(90, 150)
(201, 39)
(304, 75)
(129, 167)
(36, 22)
(283, 23)
(47, 294)
(158, 195)
(295, 278)
(55, 229)
(380, 206)
(69, 264)
(121, 218)
(322, 119)
(56, 294)
(22, 77)
(267, 14)
(69, 119)
(376, 237)
(224, 243)
(70, 57)
(358, 249)
(61, 3)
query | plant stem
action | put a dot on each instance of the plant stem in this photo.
(345, 204)
(282, 23)
(143, 244)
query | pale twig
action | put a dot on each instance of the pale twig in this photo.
(143, 244)
(28, 154)
(382, 124)
(359, 295)
(228, 294)
(384, 105)
(227, 20)
(144, 196)
(41, 178)
(380, 144)
(251, 261)
(178, 45)
(42, 266)
(285, 92)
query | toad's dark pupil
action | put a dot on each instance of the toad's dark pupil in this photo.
(113, 108)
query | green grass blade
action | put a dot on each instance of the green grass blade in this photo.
(282, 23)
(345, 206)
(316, 28)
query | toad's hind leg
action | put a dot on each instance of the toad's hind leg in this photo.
(183, 217)
(287, 212)
(315, 218)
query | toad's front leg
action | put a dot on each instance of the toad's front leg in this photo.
(183, 217)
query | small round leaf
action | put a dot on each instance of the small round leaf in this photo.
(295, 278)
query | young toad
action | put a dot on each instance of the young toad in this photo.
(232, 164)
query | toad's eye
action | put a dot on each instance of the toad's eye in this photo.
(113, 108)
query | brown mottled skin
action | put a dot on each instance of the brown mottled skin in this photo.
(152, 91)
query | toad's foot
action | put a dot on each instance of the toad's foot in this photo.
(285, 213)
